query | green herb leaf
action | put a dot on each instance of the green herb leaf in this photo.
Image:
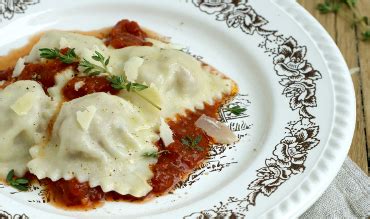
(355, 18)
(18, 183)
(154, 154)
(21, 181)
(236, 110)
(49, 53)
(192, 143)
(350, 3)
(328, 7)
(92, 69)
(10, 176)
(68, 58)
(100, 58)
(121, 83)
(366, 35)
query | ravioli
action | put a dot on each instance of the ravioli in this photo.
(93, 130)
(25, 113)
(179, 77)
(107, 153)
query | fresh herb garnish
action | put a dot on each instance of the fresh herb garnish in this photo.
(192, 143)
(68, 58)
(117, 82)
(19, 183)
(93, 69)
(347, 8)
(121, 83)
(154, 154)
(236, 110)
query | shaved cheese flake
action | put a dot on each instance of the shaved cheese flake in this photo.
(18, 67)
(165, 133)
(217, 130)
(132, 67)
(163, 45)
(24, 104)
(78, 85)
(152, 94)
(84, 117)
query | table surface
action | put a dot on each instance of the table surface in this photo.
(357, 55)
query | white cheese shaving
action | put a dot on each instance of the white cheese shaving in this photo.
(84, 117)
(217, 130)
(78, 85)
(24, 104)
(163, 45)
(132, 67)
(152, 94)
(165, 133)
(18, 67)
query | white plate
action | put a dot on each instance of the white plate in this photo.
(293, 81)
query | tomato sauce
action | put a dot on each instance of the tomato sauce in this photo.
(44, 73)
(89, 85)
(6, 76)
(127, 33)
(172, 166)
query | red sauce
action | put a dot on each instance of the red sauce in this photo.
(90, 85)
(170, 169)
(127, 33)
(6, 75)
(44, 73)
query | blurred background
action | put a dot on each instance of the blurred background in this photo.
(347, 22)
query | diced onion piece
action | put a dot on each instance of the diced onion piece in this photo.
(163, 45)
(132, 67)
(84, 117)
(165, 133)
(18, 67)
(217, 130)
(24, 104)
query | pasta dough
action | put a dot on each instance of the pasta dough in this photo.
(108, 153)
(25, 112)
(182, 82)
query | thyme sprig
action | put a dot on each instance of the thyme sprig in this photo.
(68, 58)
(19, 183)
(352, 14)
(192, 142)
(121, 83)
(93, 69)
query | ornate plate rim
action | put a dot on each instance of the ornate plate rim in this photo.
(344, 107)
